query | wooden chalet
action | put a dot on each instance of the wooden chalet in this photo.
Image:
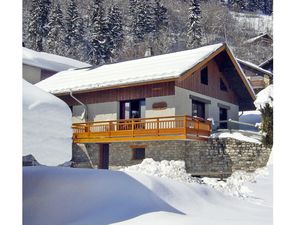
(258, 77)
(167, 97)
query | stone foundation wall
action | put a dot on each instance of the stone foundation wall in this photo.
(85, 155)
(216, 157)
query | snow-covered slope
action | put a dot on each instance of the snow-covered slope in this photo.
(66, 196)
(261, 23)
(50, 61)
(46, 126)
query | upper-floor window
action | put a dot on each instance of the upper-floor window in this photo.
(222, 85)
(204, 76)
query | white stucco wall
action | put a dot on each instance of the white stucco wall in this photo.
(184, 105)
(178, 104)
(96, 112)
(169, 111)
(31, 74)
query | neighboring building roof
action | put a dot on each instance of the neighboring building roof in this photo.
(254, 66)
(51, 62)
(150, 69)
(267, 64)
(254, 39)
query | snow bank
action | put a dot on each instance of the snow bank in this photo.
(57, 195)
(238, 136)
(264, 97)
(50, 61)
(167, 169)
(46, 126)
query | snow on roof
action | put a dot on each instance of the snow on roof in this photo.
(251, 40)
(254, 66)
(50, 61)
(153, 68)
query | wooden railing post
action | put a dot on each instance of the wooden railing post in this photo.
(185, 125)
(157, 126)
(109, 129)
(132, 127)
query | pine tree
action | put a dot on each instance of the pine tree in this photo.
(160, 17)
(267, 125)
(194, 33)
(74, 31)
(142, 24)
(56, 36)
(37, 28)
(268, 7)
(99, 39)
(115, 28)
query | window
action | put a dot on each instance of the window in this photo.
(223, 117)
(204, 76)
(222, 85)
(198, 109)
(138, 153)
(132, 109)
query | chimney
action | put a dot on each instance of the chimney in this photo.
(149, 52)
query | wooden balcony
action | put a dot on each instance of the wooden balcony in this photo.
(142, 129)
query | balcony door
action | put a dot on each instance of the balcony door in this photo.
(198, 109)
(132, 109)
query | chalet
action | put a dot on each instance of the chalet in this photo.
(263, 38)
(38, 66)
(159, 107)
(259, 78)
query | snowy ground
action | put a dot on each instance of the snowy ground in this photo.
(68, 196)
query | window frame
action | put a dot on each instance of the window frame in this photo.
(135, 155)
(204, 76)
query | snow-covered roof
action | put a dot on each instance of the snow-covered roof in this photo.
(254, 66)
(50, 61)
(251, 40)
(161, 67)
(265, 62)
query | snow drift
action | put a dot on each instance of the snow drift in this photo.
(46, 126)
(68, 196)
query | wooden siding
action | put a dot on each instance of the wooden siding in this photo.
(121, 94)
(193, 83)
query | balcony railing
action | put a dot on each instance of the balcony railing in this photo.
(142, 129)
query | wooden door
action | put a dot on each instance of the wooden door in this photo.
(103, 156)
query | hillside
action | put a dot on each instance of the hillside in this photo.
(218, 23)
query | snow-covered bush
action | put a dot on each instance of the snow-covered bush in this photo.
(264, 103)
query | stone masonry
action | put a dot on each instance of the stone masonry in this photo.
(215, 157)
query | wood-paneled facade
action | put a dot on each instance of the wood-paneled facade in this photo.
(122, 94)
(212, 89)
